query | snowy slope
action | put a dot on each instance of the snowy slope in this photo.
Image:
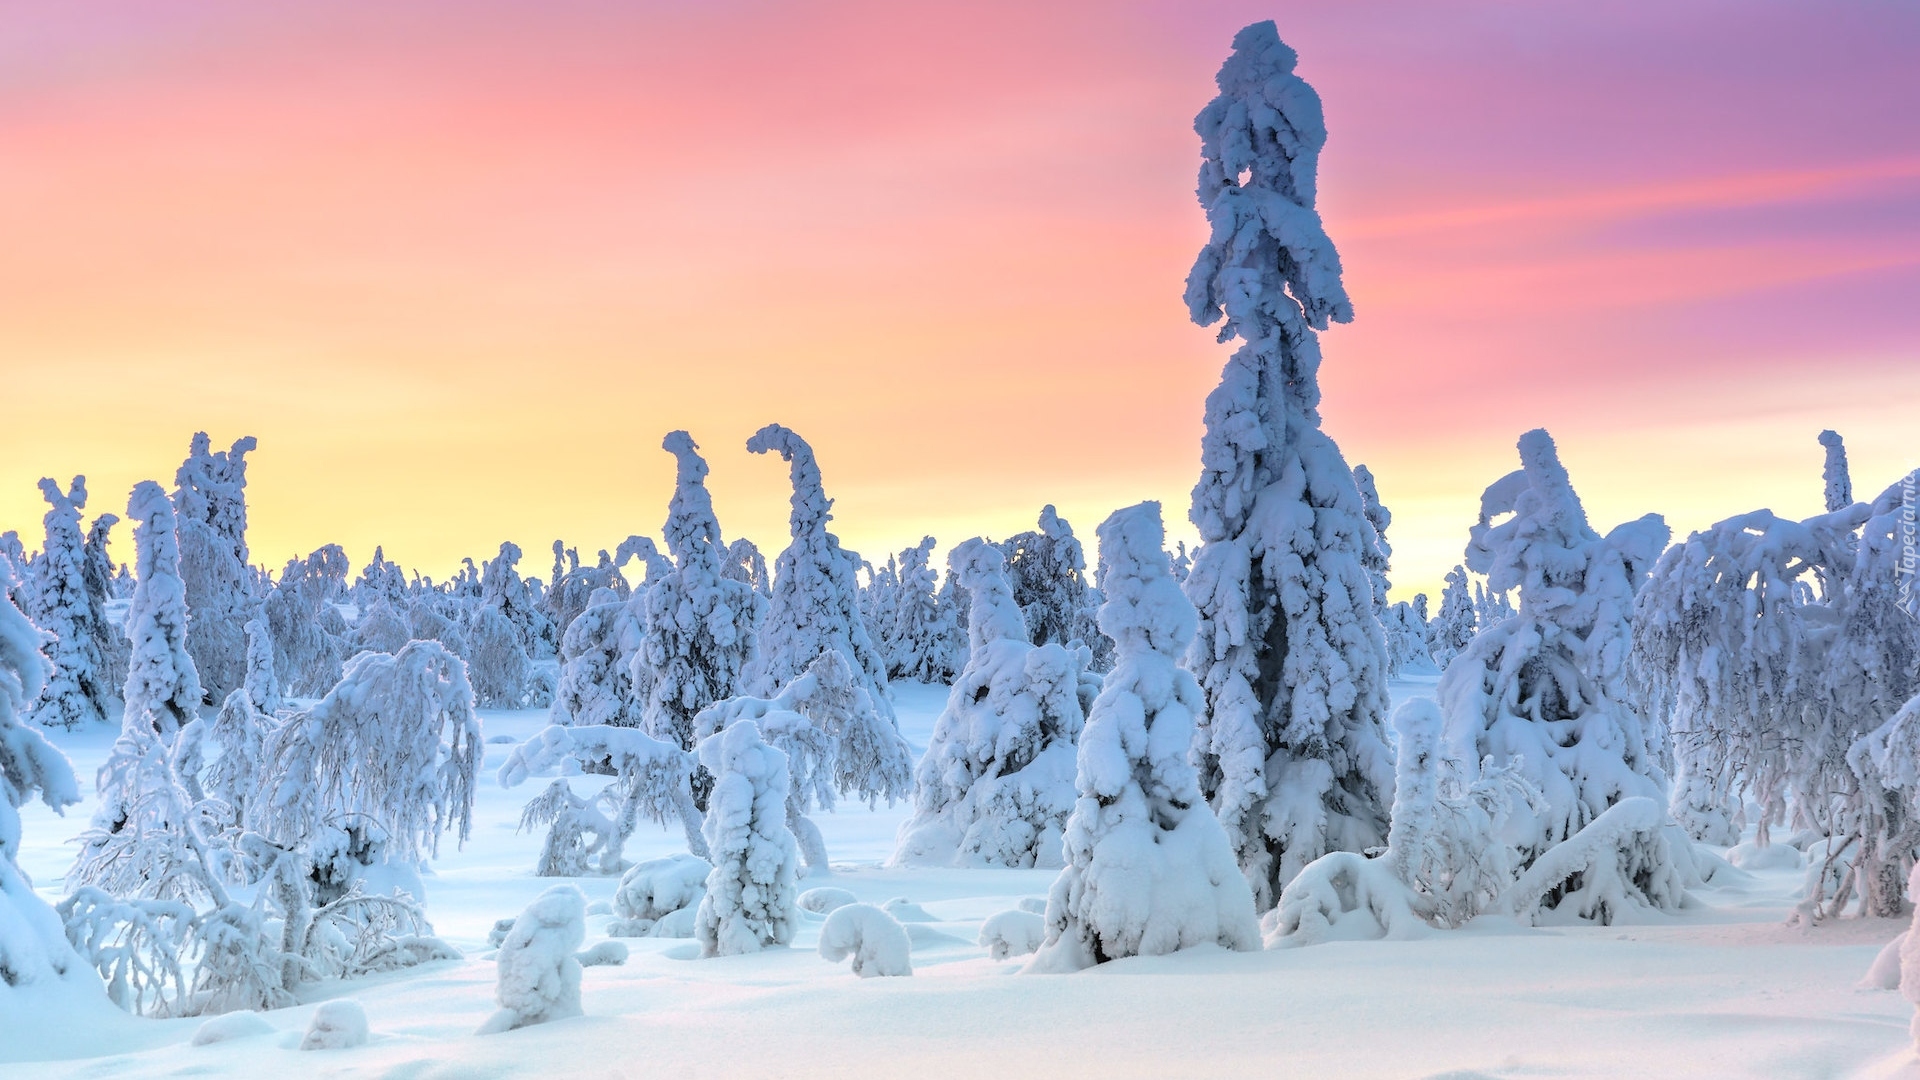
(1723, 989)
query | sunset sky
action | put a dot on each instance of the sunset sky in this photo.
(459, 266)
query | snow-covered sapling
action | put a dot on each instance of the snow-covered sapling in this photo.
(655, 889)
(1012, 933)
(749, 901)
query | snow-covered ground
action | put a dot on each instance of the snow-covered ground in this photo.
(1724, 989)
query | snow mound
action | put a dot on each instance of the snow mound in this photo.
(877, 942)
(602, 954)
(825, 899)
(336, 1025)
(907, 911)
(238, 1025)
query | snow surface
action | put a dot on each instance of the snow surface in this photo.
(1722, 989)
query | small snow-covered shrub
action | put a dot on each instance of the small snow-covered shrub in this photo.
(1012, 933)
(877, 942)
(539, 979)
(655, 889)
(749, 901)
(336, 1025)
(1345, 895)
(1618, 861)
(654, 782)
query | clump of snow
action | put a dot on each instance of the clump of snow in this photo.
(749, 900)
(824, 899)
(1149, 869)
(1012, 933)
(336, 1025)
(877, 942)
(655, 889)
(996, 783)
(539, 979)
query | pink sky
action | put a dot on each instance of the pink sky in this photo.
(460, 267)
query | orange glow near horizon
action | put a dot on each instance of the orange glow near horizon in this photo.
(459, 268)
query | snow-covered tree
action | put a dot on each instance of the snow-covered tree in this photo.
(652, 780)
(816, 596)
(65, 606)
(1453, 628)
(911, 638)
(1838, 480)
(950, 619)
(745, 563)
(835, 742)
(596, 662)
(1781, 651)
(1291, 745)
(700, 625)
(996, 784)
(1551, 685)
(1046, 569)
(35, 956)
(395, 745)
(750, 893)
(309, 633)
(210, 502)
(1378, 559)
(504, 636)
(1491, 607)
(163, 685)
(101, 586)
(1148, 867)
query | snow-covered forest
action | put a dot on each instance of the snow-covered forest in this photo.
(1617, 801)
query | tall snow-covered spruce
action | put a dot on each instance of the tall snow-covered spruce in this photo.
(1149, 870)
(210, 503)
(163, 684)
(1292, 661)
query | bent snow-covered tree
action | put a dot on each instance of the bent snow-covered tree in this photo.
(1291, 747)
(68, 608)
(996, 784)
(700, 624)
(1148, 868)
(1550, 686)
(816, 596)
(1780, 649)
